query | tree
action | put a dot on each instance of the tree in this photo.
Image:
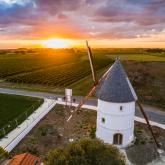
(86, 152)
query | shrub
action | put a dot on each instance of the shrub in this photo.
(93, 132)
(3, 154)
(86, 152)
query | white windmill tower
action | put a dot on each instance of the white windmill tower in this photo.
(116, 105)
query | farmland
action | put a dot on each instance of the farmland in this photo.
(59, 76)
(49, 67)
(19, 61)
(52, 70)
(13, 110)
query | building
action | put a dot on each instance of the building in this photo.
(116, 108)
(25, 159)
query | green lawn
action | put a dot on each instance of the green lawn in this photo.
(13, 106)
(138, 57)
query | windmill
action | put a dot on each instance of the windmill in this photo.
(116, 105)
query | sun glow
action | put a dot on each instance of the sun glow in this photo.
(57, 43)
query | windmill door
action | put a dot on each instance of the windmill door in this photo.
(117, 139)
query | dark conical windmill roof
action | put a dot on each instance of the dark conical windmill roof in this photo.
(116, 87)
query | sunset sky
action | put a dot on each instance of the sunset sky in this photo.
(105, 23)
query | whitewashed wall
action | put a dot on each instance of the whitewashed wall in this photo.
(116, 121)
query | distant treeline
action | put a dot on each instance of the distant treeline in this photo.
(157, 50)
(80, 50)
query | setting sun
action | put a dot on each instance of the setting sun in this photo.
(57, 43)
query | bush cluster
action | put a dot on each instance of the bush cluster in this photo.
(86, 152)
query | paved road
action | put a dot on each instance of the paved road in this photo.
(153, 113)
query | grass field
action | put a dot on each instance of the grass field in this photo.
(14, 107)
(138, 57)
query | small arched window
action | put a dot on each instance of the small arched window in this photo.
(121, 108)
(103, 120)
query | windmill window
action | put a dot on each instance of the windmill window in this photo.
(121, 108)
(103, 120)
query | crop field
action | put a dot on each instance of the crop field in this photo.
(13, 109)
(62, 67)
(52, 70)
(48, 67)
(17, 62)
(59, 76)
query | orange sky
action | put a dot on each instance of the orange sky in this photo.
(106, 23)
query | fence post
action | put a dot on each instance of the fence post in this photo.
(4, 132)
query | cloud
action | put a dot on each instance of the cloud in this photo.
(143, 12)
(56, 6)
(80, 19)
(30, 11)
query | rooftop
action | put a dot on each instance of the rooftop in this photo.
(25, 159)
(116, 87)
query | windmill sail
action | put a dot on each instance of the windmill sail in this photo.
(91, 63)
(93, 89)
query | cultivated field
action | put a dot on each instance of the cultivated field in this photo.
(53, 70)
(48, 67)
(15, 109)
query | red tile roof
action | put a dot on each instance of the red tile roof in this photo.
(25, 159)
